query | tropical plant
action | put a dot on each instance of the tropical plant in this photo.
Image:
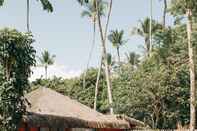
(116, 38)
(90, 12)
(189, 9)
(1, 2)
(144, 31)
(46, 59)
(103, 36)
(82, 2)
(133, 58)
(17, 55)
(46, 6)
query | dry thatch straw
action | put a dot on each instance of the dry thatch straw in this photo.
(51, 109)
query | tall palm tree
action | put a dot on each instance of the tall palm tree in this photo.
(144, 31)
(90, 12)
(46, 6)
(192, 70)
(46, 59)
(103, 36)
(188, 8)
(116, 38)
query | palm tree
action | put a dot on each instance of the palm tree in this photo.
(133, 58)
(144, 31)
(46, 6)
(46, 59)
(116, 38)
(103, 36)
(90, 12)
(192, 70)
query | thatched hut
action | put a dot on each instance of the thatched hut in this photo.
(51, 111)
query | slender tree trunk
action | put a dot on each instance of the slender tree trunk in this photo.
(45, 72)
(104, 52)
(192, 72)
(97, 83)
(150, 30)
(147, 46)
(118, 53)
(91, 51)
(28, 29)
(164, 13)
(108, 18)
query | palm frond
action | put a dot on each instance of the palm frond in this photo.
(1, 2)
(47, 5)
(82, 2)
(86, 13)
(46, 58)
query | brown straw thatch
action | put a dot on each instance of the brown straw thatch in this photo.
(51, 109)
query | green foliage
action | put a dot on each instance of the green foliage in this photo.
(46, 5)
(46, 58)
(179, 7)
(116, 38)
(16, 57)
(144, 31)
(1, 2)
(156, 90)
(133, 58)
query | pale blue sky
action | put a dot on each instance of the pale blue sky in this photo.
(67, 35)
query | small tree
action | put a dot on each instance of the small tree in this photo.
(16, 56)
(46, 59)
(116, 38)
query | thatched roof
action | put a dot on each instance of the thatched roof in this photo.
(51, 109)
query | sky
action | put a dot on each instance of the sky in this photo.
(67, 35)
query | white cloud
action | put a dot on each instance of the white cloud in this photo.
(54, 70)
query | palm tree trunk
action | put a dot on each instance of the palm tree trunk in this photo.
(150, 30)
(147, 46)
(164, 12)
(97, 83)
(104, 52)
(108, 18)
(118, 53)
(192, 72)
(45, 72)
(90, 55)
(28, 29)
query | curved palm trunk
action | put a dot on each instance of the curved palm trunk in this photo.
(90, 55)
(192, 72)
(104, 52)
(164, 12)
(28, 29)
(97, 83)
